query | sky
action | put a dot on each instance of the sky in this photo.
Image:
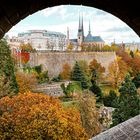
(58, 18)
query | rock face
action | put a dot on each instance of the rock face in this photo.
(53, 61)
(128, 130)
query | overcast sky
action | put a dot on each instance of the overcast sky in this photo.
(59, 18)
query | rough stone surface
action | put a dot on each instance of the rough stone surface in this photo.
(11, 12)
(51, 89)
(54, 61)
(128, 130)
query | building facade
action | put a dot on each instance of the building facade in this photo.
(41, 40)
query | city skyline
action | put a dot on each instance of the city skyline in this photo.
(59, 18)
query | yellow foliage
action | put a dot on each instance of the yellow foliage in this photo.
(66, 71)
(25, 81)
(70, 47)
(89, 114)
(117, 71)
(37, 116)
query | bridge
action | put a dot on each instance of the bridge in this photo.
(128, 130)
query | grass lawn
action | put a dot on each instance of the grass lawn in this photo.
(73, 103)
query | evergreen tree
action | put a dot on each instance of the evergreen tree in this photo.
(78, 75)
(129, 102)
(136, 80)
(128, 87)
(96, 90)
(111, 100)
(132, 54)
(7, 69)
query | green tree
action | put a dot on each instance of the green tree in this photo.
(7, 70)
(111, 100)
(129, 102)
(127, 87)
(38, 69)
(132, 54)
(96, 90)
(78, 75)
(136, 80)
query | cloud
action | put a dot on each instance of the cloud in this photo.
(119, 29)
(60, 11)
(104, 24)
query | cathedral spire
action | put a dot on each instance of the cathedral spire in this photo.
(89, 31)
(79, 22)
(67, 35)
(82, 25)
(80, 34)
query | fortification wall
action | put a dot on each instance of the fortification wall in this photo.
(53, 61)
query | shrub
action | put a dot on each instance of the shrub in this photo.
(43, 77)
(71, 88)
(38, 69)
(57, 78)
(37, 116)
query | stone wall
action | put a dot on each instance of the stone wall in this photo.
(53, 61)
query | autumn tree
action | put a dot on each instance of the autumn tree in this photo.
(117, 71)
(84, 66)
(7, 71)
(125, 56)
(26, 81)
(128, 103)
(70, 47)
(26, 47)
(89, 114)
(66, 71)
(113, 75)
(135, 65)
(96, 70)
(38, 116)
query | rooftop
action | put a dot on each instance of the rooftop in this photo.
(90, 38)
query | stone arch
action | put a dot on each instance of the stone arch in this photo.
(11, 12)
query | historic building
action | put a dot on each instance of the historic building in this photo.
(41, 40)
(86, 41)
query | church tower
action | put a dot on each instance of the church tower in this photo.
(68, 40)
(80, 35)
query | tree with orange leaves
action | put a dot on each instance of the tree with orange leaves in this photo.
(117, 71)
(96, 70)
(66, 72)
(26, 81)
(38, 116)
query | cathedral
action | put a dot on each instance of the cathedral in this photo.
(86, 41)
